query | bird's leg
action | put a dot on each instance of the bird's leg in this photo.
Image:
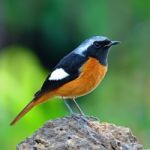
(74, 115)
(67, 105)
(78, 107)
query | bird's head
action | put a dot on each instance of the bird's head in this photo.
(97, 47)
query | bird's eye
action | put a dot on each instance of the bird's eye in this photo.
(106, 42)
(97, 44)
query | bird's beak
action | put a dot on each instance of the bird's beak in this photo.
(113, 43)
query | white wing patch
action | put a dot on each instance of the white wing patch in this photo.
(58, 74)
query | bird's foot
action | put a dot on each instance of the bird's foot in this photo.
(83, 117)
(83, 122)
(92, 118)
(80, 118)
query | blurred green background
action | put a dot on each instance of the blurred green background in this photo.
(34, 35)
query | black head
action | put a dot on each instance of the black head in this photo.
(97, 47)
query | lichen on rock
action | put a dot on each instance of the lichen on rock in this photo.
(80, 133)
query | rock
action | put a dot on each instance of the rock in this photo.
(80, 133)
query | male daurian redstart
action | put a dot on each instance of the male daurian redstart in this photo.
(77, 74)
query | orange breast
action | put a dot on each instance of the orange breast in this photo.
(92, 72)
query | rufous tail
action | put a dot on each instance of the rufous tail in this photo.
(37, 100)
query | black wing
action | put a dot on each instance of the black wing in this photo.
(71, 64)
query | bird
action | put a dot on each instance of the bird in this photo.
(76, 74)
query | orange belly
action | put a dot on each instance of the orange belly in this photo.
(91, 75)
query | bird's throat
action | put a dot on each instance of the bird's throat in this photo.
(102, 56)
